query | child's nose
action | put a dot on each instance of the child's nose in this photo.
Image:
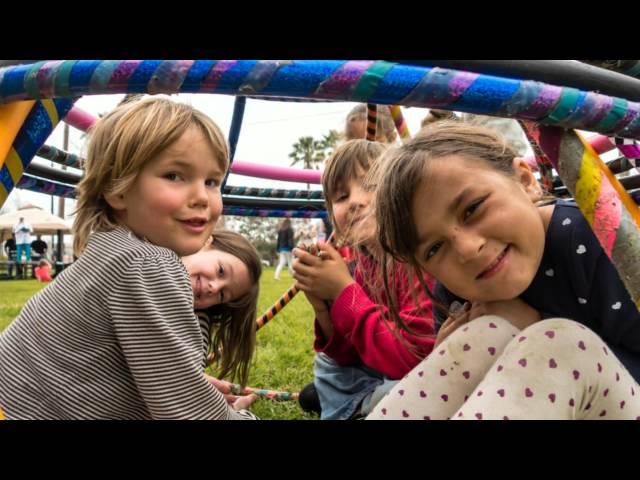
(358, 197)
(468, 246)
(214, 286)
(199, 196)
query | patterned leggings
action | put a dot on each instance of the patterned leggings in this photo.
(488, 369)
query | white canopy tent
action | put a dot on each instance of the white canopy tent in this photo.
(43, 223)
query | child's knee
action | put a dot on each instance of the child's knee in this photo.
(491, 330)
(561, 330)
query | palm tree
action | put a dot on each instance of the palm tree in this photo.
(329, 141)
(311, 152)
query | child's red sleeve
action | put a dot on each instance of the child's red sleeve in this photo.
(365, 325)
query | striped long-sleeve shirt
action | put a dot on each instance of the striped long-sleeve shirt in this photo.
(113, 337)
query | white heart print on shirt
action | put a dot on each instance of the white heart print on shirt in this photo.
(616, 306)
(549, 273)
(581, 249)
(566, 221)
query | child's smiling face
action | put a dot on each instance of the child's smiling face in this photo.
(216, 277)
(351, 210)
(479, 231)
(175, 201)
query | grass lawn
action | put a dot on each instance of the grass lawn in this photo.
(284, 357)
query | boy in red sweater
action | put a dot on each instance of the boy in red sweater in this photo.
(360, 357)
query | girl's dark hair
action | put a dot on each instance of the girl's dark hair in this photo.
(402, 170)
(340, 168)
(233, 324)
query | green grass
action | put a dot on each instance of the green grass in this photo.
(284, 357)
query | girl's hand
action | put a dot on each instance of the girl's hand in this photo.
(323, 276)
(237, 402)
(223, 387)
(452, 323)
(244, 402)
(516, 311)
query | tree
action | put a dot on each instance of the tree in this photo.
(261, 232)
(311, 152)
(329, 141)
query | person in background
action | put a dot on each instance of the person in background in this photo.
(10, 251)
(38, 252)
(42, 272)
(22, 231)
(284, 246)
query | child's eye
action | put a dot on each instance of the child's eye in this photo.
(433, 250)
(212, 182)
(472, 208)
(221, 270)
(172, 176)
(341, 197)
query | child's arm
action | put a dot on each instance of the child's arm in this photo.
(516, 311)
(367, 326)
(238, 402)
(363, 323)
(160, 338)
(313, 275)
(323, 318)
(612, 307)
(324, 275)
(597, 292)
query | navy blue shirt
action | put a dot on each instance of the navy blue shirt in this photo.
(576, 280)
(285, 240)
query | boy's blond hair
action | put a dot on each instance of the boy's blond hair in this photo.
(122, 143)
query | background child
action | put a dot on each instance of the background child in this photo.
(436, 115)
(122, 340)
(488, 238)
(225, 278)
(43, 271)
(359, 356)
(284, 246)
(356, 124)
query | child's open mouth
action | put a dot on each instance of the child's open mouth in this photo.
(195, 225)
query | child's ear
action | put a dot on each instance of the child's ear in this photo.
(115, 201)
(526, 178)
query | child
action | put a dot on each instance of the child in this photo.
(122, 340)
(43, 271)
(284, 246)
(436, 115)
(356, 124)
(359, 356)
(225, 277)
(489, 239)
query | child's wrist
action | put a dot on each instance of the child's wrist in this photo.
(344, 285)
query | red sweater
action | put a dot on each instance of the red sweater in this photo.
(42, 274)
(361, 336)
